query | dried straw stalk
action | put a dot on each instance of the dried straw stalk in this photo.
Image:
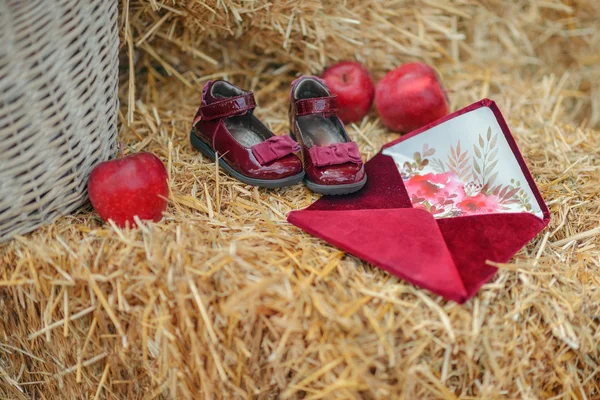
(223, 298)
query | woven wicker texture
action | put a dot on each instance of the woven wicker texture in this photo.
(58, 105)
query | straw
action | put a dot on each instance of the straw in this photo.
(223, 298)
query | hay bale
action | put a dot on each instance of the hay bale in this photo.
(308, 35)
(223, 298)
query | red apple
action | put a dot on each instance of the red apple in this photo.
(410, 97)
(134, 185)
(352, 84)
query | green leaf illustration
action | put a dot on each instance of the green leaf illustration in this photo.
(458, 162)
(503, 192)
(438, 166)
(493, 153)
(486, 154)
(508, 195)
(427, 151)
(492, 179)
(494, 140)
(490, 167)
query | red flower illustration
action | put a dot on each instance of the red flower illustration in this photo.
(479, 204)
(435, 188)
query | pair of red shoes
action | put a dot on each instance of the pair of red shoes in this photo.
(248, 150)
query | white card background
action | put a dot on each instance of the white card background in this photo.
(463, 166)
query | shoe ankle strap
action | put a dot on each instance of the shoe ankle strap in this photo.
(227, 107)
(316, 105)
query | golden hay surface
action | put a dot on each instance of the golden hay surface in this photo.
(224, 298)
(308, 34)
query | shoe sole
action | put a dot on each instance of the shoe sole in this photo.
(265, 183)
(336, 190)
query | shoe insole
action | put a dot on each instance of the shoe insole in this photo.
(320, 131)
(244, 131)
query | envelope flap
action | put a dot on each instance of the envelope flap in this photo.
(472, 240)
(404, 241)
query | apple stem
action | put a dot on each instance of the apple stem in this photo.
(121, 150)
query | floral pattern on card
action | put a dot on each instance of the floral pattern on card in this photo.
(463, 180)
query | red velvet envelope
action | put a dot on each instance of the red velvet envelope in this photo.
(438, 203)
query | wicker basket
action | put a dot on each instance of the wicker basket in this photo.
(58, 105)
